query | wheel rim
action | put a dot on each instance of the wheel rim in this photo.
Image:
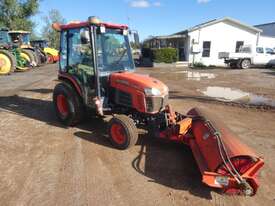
(25, 56)
(50, 59)
(5, 64)
(62, 105)
(118, 133)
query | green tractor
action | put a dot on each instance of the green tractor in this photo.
(22, 40)
(11, 57)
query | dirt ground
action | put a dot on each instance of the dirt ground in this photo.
(44, 163)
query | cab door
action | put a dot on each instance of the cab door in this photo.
(80, 62)
(260, 57)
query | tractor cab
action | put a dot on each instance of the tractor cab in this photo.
(40, 43)
(90, 52)
(21, 38)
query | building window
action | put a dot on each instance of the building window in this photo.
(239, 44)
(206, 49)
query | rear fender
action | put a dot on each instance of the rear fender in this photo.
(72, 81)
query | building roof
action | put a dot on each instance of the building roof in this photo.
(268, 29)
(225, 19)
(184, 33)
(173, 36)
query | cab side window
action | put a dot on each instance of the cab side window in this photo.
(80, 51)
(80, 54)
(63, 51)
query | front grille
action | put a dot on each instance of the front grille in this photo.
(155, 104)
(123, 98)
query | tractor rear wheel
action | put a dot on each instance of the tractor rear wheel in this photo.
(30, 56)
(68, 105)
(41, 57)
(7, 62)
(123, 132)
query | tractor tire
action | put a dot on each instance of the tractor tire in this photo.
(50, 59)
(30, 56)
(245, 64)
(7, 62)
(68, 105)
(41, 57)
(123, 132)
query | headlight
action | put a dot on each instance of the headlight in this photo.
(152, 92)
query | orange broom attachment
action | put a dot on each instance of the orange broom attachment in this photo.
(223, 160)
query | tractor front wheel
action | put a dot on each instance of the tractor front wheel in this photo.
(68, 104)
(123, 132)
(29, 56)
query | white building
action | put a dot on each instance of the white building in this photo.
(203, 43)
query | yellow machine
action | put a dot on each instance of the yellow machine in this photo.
(52, 54)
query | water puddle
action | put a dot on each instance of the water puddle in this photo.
(234, 95)
(196, 76)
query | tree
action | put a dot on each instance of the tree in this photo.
(48, 32)
(16, 14)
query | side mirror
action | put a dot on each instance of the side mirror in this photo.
(85, 37)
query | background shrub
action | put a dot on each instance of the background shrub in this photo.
(199, 64)
(165, 55)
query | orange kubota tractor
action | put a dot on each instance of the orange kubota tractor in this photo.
(97, 73)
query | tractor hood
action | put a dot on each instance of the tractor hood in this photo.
(51, 51)
(140, 82)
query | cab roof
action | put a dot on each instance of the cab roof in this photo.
(19, 32)
(74, 25)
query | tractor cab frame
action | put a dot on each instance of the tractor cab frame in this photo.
(89, 53)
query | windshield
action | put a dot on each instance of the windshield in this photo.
(4, 37)
(113, 51)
